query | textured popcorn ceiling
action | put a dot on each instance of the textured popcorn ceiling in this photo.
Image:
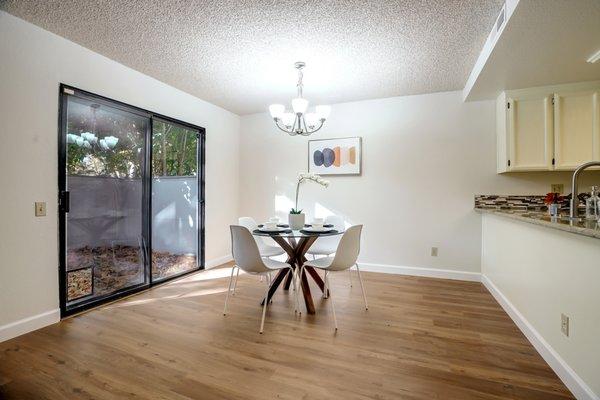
(240, 54)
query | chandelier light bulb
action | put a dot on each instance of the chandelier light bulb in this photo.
(299, 105)
(276, 110)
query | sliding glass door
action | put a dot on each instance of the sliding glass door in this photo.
(175, 211)
(130, 199)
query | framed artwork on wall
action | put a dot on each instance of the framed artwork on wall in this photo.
(338, 156)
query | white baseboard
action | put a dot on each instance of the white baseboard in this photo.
(29, 324)
(215, 262)
(426, 272)
(575, 384)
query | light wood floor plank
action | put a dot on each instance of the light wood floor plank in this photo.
(421, 338)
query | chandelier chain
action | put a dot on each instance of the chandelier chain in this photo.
(300, 85)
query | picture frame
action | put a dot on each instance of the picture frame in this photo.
(335, 156)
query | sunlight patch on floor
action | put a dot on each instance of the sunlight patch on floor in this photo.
(211, 274)
(196, 293)
(215, 273)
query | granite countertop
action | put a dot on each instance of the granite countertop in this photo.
(582, 227)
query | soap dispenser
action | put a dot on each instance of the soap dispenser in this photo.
(592, 204)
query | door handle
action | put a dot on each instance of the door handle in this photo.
(65, 200)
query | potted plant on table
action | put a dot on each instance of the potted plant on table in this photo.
(553, 201)
(296, 217)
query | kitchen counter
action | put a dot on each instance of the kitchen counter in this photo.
(542, 218)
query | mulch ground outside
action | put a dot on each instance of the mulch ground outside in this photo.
(117, 267)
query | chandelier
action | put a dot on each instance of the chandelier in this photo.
(299, 122)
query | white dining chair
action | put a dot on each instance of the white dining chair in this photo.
(248, 259)
(345, 257)
(265, 249)
(327, 245)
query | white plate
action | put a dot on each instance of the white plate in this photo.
(313, 229)
(272, 230)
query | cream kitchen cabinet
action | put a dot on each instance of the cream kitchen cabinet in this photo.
(576, 128)
(548, 128)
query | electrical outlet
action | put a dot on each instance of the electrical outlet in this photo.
(434, 252)
(564, 324)
(557, 188)
(40, 208)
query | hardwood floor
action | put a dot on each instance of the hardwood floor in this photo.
(421, 338)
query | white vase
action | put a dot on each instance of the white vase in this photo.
(296, 221)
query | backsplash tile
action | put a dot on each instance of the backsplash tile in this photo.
(513, 202)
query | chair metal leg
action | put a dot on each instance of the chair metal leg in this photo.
(236, 279)
(350, 275)
(331, 300)
(229, 290)
(262, 322)
(362, 287)
(325, 287)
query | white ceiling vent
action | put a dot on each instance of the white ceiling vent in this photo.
(501, 18)
(498, 25)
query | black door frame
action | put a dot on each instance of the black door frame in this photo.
(63, 199)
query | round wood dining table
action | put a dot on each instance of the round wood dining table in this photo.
(296, 243)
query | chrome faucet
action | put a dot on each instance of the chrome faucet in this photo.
(574, 211)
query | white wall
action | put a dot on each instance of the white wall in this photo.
(542, 273)
(32, 64)
(424, 158)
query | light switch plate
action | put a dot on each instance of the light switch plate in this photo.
(557, 188)
(40, 208)
(434, 252)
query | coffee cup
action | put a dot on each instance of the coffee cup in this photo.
(317, 223)
(270, 225)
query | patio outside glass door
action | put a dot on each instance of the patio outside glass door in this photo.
(175, 206)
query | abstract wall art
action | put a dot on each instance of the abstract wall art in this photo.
(335, 156)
